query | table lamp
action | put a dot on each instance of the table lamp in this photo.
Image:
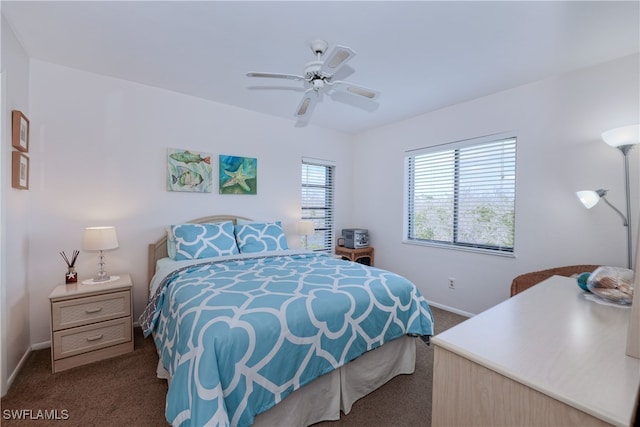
(100, 239)
(306, 228)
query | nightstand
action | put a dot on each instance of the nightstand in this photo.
(90, 322)
(361, 255)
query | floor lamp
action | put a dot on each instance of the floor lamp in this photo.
(624, 139)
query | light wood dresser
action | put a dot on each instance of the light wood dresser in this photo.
(90, 322)
(545, 357)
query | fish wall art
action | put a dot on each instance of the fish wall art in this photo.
(189, 171)
(238, 175)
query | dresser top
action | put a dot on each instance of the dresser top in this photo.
(79, 289)
(554, 340)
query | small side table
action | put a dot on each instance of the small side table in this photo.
(361, 255)
(90, 322)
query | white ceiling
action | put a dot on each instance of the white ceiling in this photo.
(421, 55)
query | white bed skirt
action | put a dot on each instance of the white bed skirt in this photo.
(324, 398)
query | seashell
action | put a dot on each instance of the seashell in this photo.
(612, 283)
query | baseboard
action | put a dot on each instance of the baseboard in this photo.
(41, 345)
(16, 371)
(451, 309)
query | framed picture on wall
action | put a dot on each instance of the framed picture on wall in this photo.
(189, 170)
(238, 175)
(20, 131)
(19, 171)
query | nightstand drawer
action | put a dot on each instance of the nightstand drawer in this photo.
(70, 342)
(87, 310)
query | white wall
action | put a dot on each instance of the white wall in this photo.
(99, 148)
(14, 294)
(558, 123)
(98, 156)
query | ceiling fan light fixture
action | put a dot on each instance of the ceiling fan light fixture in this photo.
(319, 47)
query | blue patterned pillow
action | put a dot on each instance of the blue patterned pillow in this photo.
(260, 237)
(194, 241)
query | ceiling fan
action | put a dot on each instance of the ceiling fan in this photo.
(318, 76)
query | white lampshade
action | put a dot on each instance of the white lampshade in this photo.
(626, 135)
(99, 238)
(588, 198)
(306, 227)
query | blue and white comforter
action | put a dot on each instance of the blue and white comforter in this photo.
(237, 336)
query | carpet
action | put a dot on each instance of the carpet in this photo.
(124, 391)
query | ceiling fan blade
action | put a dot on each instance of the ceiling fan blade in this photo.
(307, 103)
(275, 76)
(336, 59)
(355, 89)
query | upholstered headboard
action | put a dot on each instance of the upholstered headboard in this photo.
(158, 249)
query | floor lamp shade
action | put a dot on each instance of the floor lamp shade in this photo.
(588, 198)
(626, 135)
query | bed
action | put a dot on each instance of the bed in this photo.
(255, 333)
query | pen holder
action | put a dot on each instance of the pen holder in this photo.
(71, 276)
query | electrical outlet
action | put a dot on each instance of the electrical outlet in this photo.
(452, 283)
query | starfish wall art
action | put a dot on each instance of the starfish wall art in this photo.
(238, 175)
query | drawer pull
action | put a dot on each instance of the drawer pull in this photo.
(95, 338)
(93, 310)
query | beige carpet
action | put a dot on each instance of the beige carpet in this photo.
(124, 391)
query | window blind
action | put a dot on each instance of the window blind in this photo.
(462, 194)
(317, 202)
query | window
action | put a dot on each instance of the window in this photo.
(317, 202)
(462, 194)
